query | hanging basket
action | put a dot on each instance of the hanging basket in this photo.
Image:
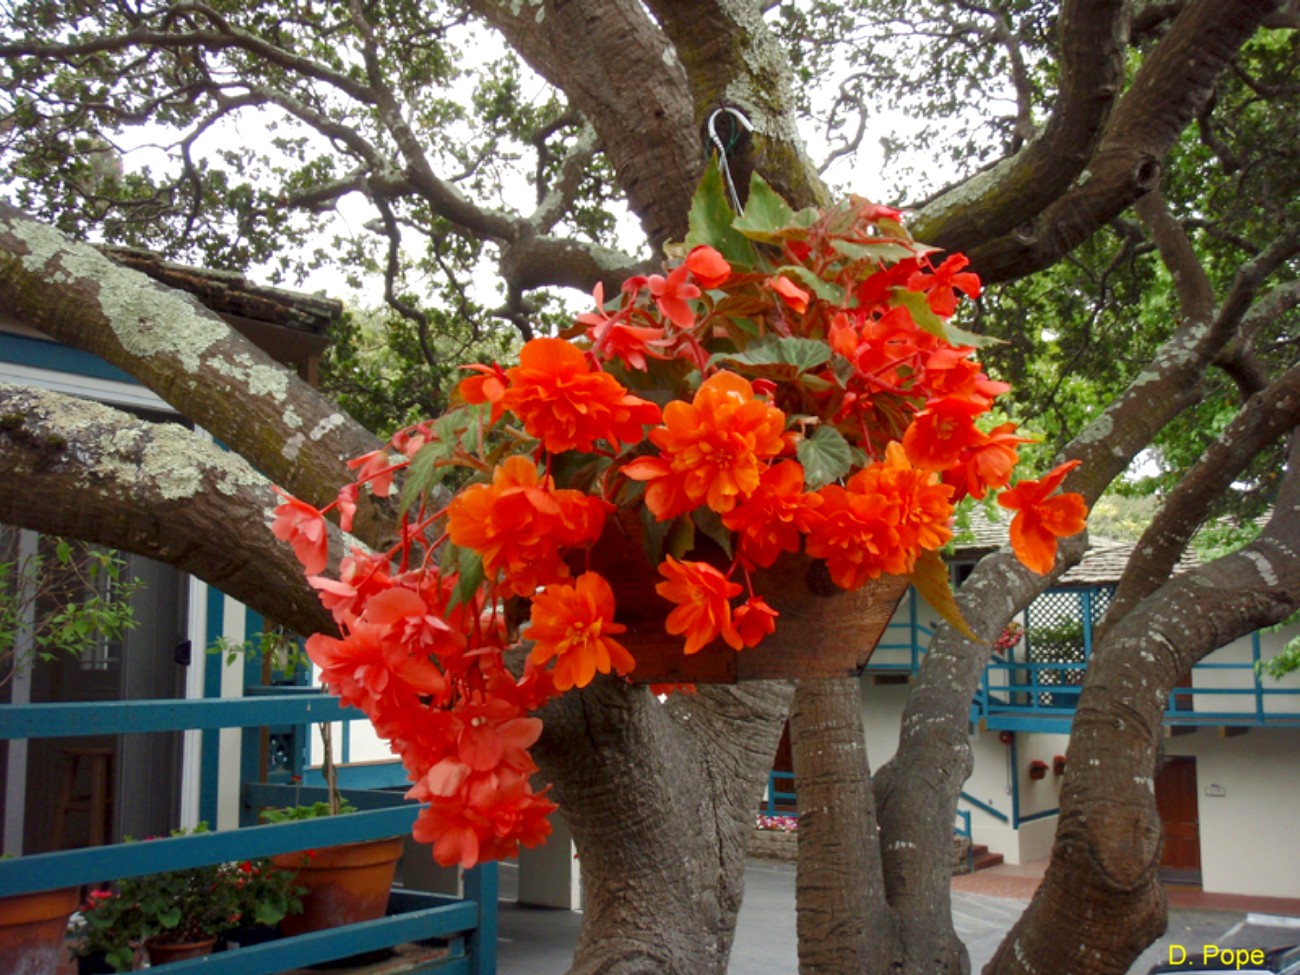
(823, 631)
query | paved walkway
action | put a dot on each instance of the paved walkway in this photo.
(985, 906)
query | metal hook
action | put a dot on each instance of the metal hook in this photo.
(739, 121)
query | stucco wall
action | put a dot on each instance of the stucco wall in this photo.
(1248, 791)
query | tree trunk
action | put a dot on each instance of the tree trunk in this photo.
(660, 798)
(844, 923)
(1102, 885)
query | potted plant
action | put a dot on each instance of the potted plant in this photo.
(182, 913)
(109, 932)
(266, 896)
(341, 884)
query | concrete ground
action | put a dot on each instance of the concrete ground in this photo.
(985, 905)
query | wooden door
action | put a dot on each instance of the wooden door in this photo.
(1176, 802)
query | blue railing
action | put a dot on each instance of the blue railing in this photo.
(903, 643)
(1024, 695)
(983, 807)
(776, 795)
(467, 928)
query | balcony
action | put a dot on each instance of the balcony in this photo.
(461, 929)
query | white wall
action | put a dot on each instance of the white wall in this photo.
(1248, 791)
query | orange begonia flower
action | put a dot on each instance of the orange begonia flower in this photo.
(940, 432)
(790, 293)
(708, 267)
(1040, 520)
(567, 405)
(665, 490)
(775, 517)
(940, 285)
(489, 386)
(303, 527)
(520, 523)
(716, 445)
(703, 598)
(987, 464)
(755, 620)
(924, 506)
(672, 295)
(575, 625)
(855, 534)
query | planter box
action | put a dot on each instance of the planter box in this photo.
(772, 844)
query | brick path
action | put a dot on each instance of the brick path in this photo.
(1021, 881)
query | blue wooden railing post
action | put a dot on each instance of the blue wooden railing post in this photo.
(481, 886)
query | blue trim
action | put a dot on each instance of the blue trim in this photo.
(437, 920)
(43, 354)
(775, 795)
(210, 761)
(68, 868)
(129, 717)
(983, 807)
(1039, 815)
(481, 887)
(370, 775)
(250, 744)
(1013, 756)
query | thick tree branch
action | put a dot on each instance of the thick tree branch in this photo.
(183, 352)
(1103, 874)
(1174, 81)
(996, 201)
(732, 58)
(1268, 415)
(617, 68)
(559, 196)
(88, 471)
(1196, 298)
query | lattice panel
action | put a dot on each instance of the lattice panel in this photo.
(1056, 634)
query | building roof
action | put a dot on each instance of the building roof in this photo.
(230, 293)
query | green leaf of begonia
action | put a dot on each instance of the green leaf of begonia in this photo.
(924, 317)
(470, 566)
(710, 522)
(781, 359)
(821, 288)
(932, 581)
(681, 537)
(710, 220)
(653, 533)
(875, 250)
(825, 456)
(766, 214)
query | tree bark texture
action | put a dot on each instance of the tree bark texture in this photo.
(91, 472)
(844, 921)
(619, 70)
(660, 798)
(186, 354)
(1093, 47)
(1170, 87)
(1101, 901)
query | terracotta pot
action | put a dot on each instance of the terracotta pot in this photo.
(32, 930)
(345, 884)
(823, 631)
(164, 952)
